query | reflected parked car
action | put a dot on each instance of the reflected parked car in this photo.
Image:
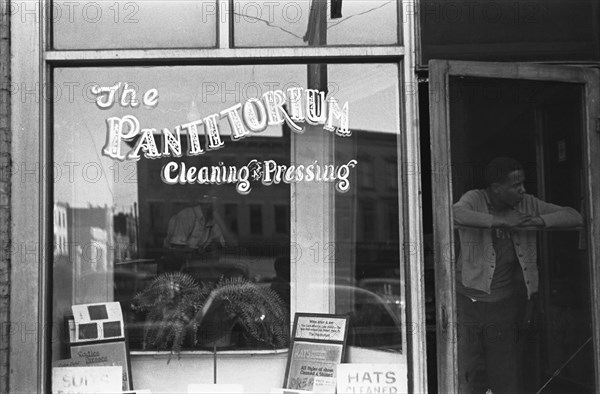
(375, 320)
(389, 290)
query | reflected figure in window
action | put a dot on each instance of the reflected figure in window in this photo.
(497, 274)
(196, 233)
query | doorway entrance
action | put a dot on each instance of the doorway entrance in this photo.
(545, 118)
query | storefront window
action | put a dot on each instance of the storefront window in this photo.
(123, 24)
(192, 214)
(315, 23)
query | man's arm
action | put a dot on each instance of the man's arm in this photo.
(556, 216)
(466, 215)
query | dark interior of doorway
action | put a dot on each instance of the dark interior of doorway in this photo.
(427, 213)
(541, 125)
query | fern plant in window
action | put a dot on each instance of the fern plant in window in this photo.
(182, 312)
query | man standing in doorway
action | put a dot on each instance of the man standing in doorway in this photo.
(496, 273)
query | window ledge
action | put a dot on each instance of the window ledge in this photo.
(206, 353)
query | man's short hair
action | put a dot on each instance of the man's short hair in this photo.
(498, 169)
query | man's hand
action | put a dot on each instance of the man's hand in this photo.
(535, 221)
(513, 218)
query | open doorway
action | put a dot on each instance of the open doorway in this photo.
(539, 124)
(543, 117)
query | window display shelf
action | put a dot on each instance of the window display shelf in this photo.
(150, 370)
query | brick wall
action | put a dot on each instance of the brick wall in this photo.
(5, 163)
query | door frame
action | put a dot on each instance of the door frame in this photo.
(439, 73)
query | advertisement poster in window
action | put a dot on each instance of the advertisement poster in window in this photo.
(318, 346)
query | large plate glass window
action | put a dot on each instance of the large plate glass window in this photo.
(192, 212)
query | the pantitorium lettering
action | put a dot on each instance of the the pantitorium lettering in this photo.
(298, 106)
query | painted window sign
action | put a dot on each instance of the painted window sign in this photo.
(305, 105)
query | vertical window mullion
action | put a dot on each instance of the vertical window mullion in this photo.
(224, 28)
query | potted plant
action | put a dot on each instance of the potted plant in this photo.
(182, 312)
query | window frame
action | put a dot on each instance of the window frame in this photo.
(32, 64)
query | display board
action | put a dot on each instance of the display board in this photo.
(318, 345)
(97, 338)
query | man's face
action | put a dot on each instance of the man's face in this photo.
(512, 190)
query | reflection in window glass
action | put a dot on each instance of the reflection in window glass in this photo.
(282, 218)
(391, 174)
(310, 23)
(369, 273)
(366, 172)
(368, 217)
(231, 217)
(122, 24)
(126, 226)
(256, 221)
(128, 232)
(393, 230)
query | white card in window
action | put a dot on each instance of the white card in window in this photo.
(321, 328)
(98, 321)
(86, 380)
(84, 313)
